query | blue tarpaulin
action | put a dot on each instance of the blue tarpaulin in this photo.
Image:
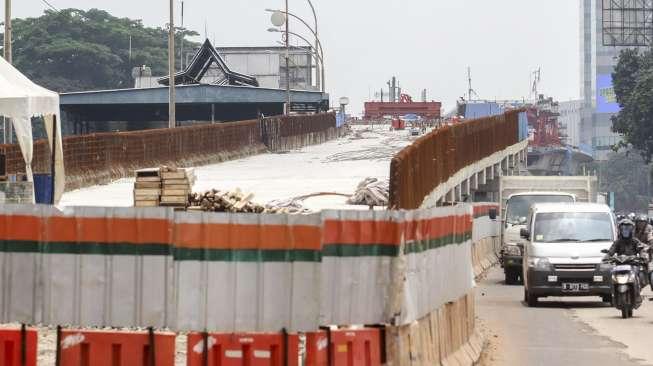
(43, 188)
(523, 126)
(480, 110)
(340, 119)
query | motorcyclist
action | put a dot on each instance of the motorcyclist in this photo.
(629, 245)
(643, 231)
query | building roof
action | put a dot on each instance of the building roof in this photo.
(206, 57)
(189, 94)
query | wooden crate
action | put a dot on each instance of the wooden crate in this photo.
(148, 173)
(146, 203)
(147, 188)
(147, 185)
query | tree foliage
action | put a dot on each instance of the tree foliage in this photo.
(626, 174)
(633, 86)
(73, 50)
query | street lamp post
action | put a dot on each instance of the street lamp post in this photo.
(279, 19)
(287, 63)
(171, 68)
(317, 39)
(6, 123)
(320, 80)
(315, 55)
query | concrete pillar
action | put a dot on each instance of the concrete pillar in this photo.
(459, 193)
(466, 187)
(482, 177)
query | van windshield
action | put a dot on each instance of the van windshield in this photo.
(517, 206)
(560, 227)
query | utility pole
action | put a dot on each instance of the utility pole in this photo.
(181, 56)
(287, 62)
(171, 67)
(7, 45)
(469, 79)
(8, 131)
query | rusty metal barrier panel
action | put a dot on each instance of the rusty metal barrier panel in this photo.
(100, 153)
(434, 158)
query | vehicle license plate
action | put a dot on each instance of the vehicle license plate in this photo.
(575, 287)
(622, 268)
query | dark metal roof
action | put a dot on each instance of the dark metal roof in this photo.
(205, 57)
(190, 94)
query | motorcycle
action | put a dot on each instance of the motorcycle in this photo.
(627, 282)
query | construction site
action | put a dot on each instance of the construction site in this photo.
(219, 206)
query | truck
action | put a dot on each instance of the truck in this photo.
(517, 194)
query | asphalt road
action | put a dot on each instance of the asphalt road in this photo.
(569, 331)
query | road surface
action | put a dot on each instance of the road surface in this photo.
(335, 166)
(569, 331)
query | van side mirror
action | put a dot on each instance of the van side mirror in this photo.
(493, 213)
(524, 233)
(605, 251)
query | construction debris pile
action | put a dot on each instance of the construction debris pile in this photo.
(371, 192)
(238, 202)
(224, 201)
(172, 187)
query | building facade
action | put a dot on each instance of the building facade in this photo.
(268, 65)
(621, 20)
(570, 121)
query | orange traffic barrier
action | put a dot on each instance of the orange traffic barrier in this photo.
(18, 347)
(317, 349)
(348, 347)
(107, 348)
(242, 349)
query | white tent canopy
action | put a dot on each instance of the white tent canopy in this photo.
(20, 100)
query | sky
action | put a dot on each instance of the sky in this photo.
(426, 44)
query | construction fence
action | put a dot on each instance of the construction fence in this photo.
(98, 158)
(129, 267)
(434, 158)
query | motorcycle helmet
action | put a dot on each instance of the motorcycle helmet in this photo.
(626, 229)
(631, 216)
(641, 218)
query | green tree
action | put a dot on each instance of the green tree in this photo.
(627, 175)
(633, 86)
(73, 50)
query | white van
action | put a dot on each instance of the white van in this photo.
(562, 255)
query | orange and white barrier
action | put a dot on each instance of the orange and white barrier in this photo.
(109, 348)
(236, 349)
(136, 267)
(485, 237)
(18, 347)
(258, 273)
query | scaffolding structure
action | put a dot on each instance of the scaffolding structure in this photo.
(627, 23)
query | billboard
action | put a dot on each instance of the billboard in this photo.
(606, 100)
(627, 22)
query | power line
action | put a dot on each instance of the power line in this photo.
(50, 5)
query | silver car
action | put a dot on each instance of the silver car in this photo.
(562, 255)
